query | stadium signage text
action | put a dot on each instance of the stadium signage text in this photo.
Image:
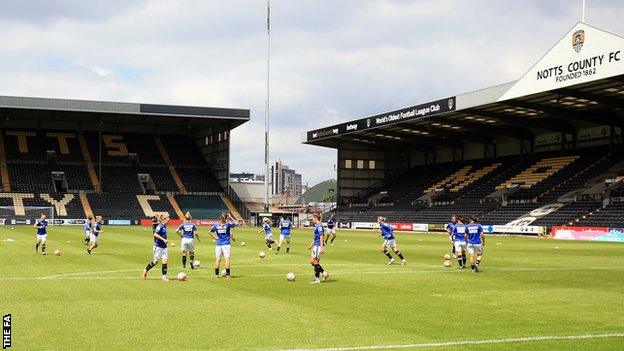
(588, 233)
(397, 116)
(584, 54)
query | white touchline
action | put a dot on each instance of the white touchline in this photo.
(208, 273)
(467, 342)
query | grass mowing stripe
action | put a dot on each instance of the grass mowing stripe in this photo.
(467, 342)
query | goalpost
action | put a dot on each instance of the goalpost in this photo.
(26, 214)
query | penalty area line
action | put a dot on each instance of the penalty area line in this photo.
(467, 342)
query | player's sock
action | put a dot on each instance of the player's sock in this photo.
(164, 269)
(460, 261)
(149, 266)
(478, 262)
(184, 261)
(398, 253)
(227, 272)
(317, 271)
(43, 248)
(88, 251)
(332, 240)
(192, 259)
(387, 254)
(287, 248)
(464, 260)
(37, 247)
(217, 272)
(278, 248)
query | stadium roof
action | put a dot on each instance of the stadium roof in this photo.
(83, 111)
(579, 82)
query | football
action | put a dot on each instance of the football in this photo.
(447, 257)
(325, 275)
(447, 263)
(172, 244)
(223, 272)
(57, 252)
(243, 243)
(182, 276)
(196, 264)
(262, 254)
(290, 277)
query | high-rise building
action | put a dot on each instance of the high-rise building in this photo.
(285, 180)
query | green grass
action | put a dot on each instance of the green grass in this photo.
(527, 288)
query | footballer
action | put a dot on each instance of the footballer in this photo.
(188, 232)
(285, 226)
(223, 235)
(317, 250)
(42, 234)
(159, 250)
(386, 231)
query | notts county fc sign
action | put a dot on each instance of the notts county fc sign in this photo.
(406, 114)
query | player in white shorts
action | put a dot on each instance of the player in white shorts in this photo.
(87, 229)
(476, 240)
(285, 226)
(42, 234)
(331, 230)
(387, 232)
(268, 233)
(96, 230)
(188, 233)
(458, 236)
(223, 235)
(317, 250)
(159, 251)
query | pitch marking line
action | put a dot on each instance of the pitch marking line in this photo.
(206, 274)
(467, 342)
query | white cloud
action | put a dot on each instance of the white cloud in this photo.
(331, 61)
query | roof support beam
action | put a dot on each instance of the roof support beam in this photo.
(512, 132)
(597, 117)
(557, 125)
(606, 101)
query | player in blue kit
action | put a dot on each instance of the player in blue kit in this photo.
(87, 229)
(42, 234)
(223, 235)
(458, 236)
(96, 230)
(449, 229)
(160, 252)
(331, 230)
(268, 233)
(285, 226)
(188, 232)
(317, 250)
(387, 232)
(476, 240)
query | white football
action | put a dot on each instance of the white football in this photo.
(325, 275)
(290, 277)
(57, 252)
(172, 244)
(196, 264)
(223, 272)
(182, 276)
(243, 243)
(447, 257)
(447, 263)
(262, 254)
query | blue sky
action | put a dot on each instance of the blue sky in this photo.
(331, 60)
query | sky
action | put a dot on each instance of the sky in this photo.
(331, 61)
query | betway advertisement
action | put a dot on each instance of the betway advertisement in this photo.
(588, 233)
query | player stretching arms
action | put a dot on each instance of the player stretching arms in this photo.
(188, 232)
(222, 238)
(95, 232)
(450, 227)
(285, 227)
(42, 234)
(317, 250)
(389, 241)
(476, 240)
(160, 248)
(331, 230)
(268, 234)
(459, 242)
(87, 229)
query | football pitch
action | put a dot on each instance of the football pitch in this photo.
(532, 294)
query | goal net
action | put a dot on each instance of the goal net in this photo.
(25, 214)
